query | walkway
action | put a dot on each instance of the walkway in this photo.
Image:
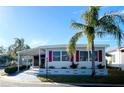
(26, 76)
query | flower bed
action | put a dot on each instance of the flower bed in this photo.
(99, 72)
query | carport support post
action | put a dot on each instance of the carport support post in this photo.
(33, 61)
(27, 62)
(39, 58)
(18, 61)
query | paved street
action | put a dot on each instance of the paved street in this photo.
(8, 83)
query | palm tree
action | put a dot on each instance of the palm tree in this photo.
(17, 46)
(95, 25)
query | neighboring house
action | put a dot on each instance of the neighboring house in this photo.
(54, 59)
(116, 58)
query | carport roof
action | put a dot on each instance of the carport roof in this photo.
(31, 52)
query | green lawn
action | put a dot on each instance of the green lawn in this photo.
(115, 77)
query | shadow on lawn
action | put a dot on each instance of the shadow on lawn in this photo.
(72, 80)
(115, 79)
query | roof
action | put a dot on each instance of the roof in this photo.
(66, 45)
(35, 51)
(115, 49)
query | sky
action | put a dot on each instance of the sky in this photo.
(45, 25)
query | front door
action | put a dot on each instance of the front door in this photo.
(36, 61)
(42, 61)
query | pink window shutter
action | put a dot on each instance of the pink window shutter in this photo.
(100, 55)
(50, 56)
(77, 56)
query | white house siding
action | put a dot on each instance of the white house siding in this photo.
(122, 57)
(116, 62)
(119, 60)
(122, 61)
(116, 57)
(87, 64)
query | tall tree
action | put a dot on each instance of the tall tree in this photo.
(95, 25)
(17, 46)
(2, 50)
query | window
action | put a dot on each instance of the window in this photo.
(56, 55)
(95, 55)
(65, 56)
(83, 56)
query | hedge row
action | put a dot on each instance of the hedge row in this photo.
(13, 69)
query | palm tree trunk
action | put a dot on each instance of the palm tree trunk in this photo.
(92, 59)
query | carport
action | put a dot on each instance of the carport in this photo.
(30, 53)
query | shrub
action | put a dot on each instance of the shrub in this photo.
(64, 67)
(100, 66)
(51, 67)
(23, 67)
(83, 67)
(74, 66)
(28, 67)
(11, 69)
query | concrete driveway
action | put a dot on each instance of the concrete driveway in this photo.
(25, 76)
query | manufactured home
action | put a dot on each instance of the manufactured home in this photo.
(54, 59)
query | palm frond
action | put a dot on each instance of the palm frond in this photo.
(94, 8)
(91, 15)
(100, 34)
(78, 26)
(72, 44)
(108, 25)
(118, 16)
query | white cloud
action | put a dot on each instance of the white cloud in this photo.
(37, 42)
(116, 12)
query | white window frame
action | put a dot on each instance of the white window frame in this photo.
(56, 51)
(79, 55)
(62, 55)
